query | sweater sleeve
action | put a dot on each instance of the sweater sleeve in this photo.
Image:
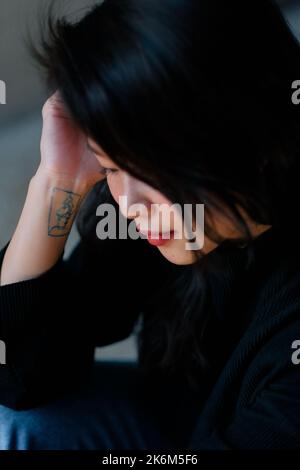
(51, 324)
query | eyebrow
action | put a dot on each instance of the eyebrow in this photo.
(91, 147)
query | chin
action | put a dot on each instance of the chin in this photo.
(178, 257)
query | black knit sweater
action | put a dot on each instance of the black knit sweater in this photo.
(52, 323)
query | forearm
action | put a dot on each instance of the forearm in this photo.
(50, 207)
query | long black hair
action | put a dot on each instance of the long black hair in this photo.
(194, 98)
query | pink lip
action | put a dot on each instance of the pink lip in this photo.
(157, 239)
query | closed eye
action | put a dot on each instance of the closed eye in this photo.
(104, 171)
(107, 171)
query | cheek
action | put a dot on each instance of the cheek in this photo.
(115, 187)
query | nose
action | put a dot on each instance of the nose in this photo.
(133, 202)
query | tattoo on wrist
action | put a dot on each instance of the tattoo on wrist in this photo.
(63, 208)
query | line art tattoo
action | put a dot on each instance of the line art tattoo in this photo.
(63, 208)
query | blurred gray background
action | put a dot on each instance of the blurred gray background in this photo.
(21, 121)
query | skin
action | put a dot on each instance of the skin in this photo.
(122, 183)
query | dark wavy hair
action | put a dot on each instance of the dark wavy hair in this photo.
(194, 98)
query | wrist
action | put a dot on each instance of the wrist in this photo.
(56, 198)
(50, 179)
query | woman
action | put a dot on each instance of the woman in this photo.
(173, 102)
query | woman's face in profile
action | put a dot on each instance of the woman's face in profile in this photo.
(151, 212)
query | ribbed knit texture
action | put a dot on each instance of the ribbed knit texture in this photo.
(51, 326)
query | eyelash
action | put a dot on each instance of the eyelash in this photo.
(107, 171)
(103, 171)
